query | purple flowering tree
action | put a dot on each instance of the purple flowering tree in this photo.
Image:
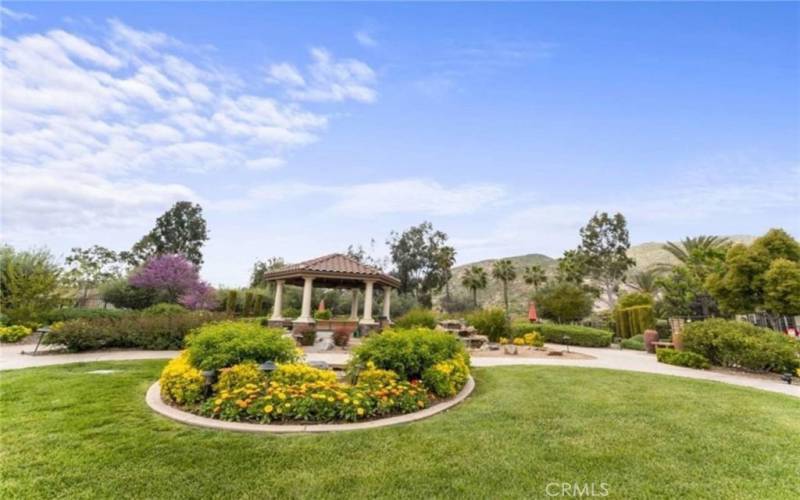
(175, 279)
(200, 296)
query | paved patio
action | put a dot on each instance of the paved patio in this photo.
(637, 361)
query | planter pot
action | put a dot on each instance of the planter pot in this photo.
(650, 336)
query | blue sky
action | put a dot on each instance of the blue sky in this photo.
(304, 128)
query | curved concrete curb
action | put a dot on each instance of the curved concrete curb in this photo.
(155, 402)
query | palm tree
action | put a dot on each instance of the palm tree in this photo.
(534, 275)
(645, 281)
(475, 278)
(699, 245)
(504, 271)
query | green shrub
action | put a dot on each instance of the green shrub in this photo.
(164, 308)
(122, 295)
(407, 352)
(227, 343)
(131, 330)
(238, 376)
(70, 313)
(578, 335)
(291, 312)
(490, 322)
(13, 333)
(682, 358)
(447, 377)
(635, 343)
(3, 319)
(417, 318)
(181, 382)
(742, 345)
(326, 314)
(663, 329)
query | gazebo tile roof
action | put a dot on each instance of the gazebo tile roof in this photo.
(333, 264)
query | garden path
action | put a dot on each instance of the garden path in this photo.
(10, 358)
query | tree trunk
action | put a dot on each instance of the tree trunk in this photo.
(505, 296)
(475, 297)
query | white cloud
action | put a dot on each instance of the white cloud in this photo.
(286, 74)
(15, 15)
(378, 198)
(94, 117)
(365, 38)
(328, 79)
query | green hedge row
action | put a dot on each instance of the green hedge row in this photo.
(635, 343)
(742, 345)
(682, 358)
(554, 333)
(141, 331)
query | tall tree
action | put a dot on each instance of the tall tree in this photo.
(644, 281)
(692, 248)
(534, 275)
(572, 267)
(758, 278)
(89, 268)
(171, 276)
(604, 245)
(180, 230)
(563, 301)
(420, 263)
(475, 278)
(447, 259)
(28, 284)
(504, 271)
(261, 267)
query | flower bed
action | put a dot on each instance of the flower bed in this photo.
(250, 390)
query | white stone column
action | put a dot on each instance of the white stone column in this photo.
(367, 318)
(277, 307)
(305, 313)
(387, 301)
(354, 305)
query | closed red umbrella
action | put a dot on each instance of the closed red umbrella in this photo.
(321, 305)
(532, 317)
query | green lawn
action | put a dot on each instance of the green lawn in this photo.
(70, 434)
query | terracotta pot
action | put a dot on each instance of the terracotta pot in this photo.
(650, 336)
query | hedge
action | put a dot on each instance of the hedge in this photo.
(742, 345)
(682, 358)
(635, 343)
(143, 331)
(70, 313)
(578, 335)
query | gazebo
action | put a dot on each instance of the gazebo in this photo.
(332, 271)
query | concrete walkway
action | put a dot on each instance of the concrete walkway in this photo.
(637, 361)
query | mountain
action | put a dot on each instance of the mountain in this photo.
(645, 255)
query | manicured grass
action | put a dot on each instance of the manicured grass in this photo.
(71, 434)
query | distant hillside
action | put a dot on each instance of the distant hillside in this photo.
(645, 255)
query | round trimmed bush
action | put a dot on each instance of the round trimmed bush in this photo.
(408, 352)
(227, 343)
(417, 318)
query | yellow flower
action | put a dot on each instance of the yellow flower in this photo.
(268, 409)
(288, 405)
(360, 411)
(330, 399)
